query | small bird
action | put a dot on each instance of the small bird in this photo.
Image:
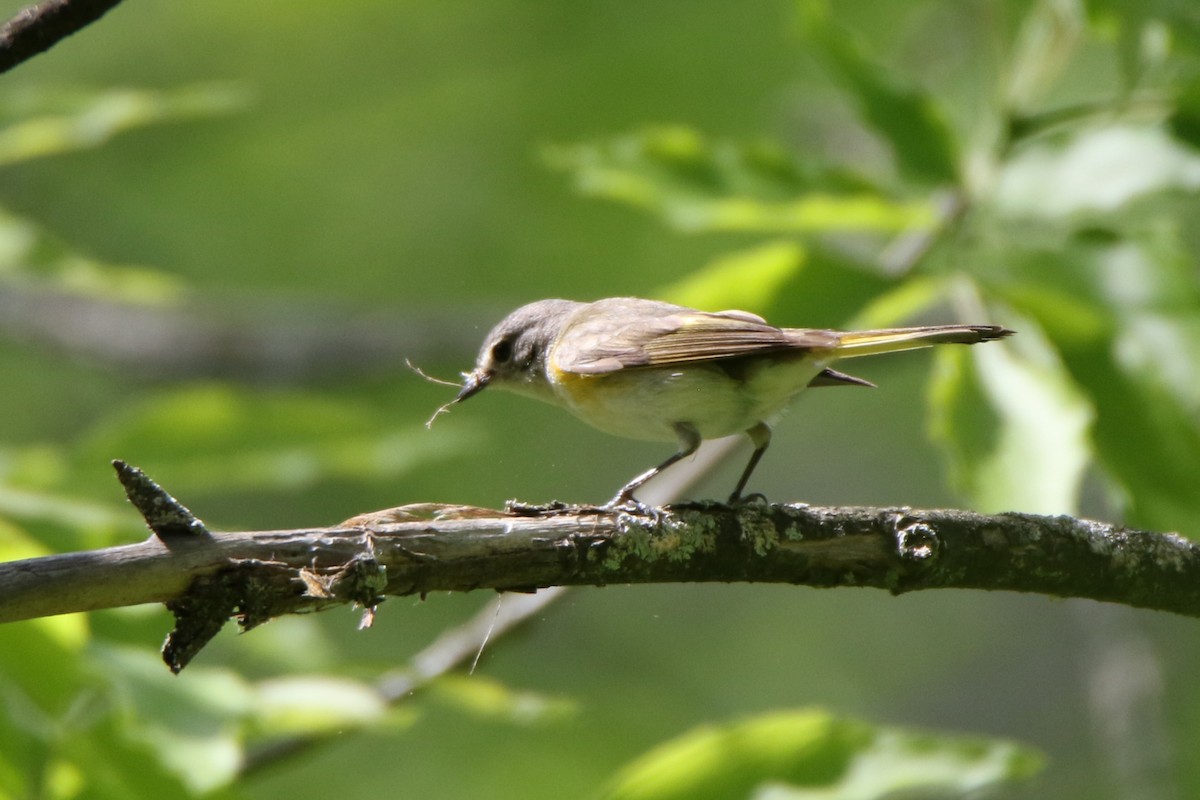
(650, 370)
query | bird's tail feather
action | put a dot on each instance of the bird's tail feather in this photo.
(852, 344)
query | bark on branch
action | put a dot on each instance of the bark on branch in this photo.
(39, 27)
(206, 577)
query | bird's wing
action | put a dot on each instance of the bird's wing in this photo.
(610, 342)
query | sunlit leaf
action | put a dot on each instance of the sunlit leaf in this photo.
(66, 510)
(19, 762)
(814, 213)
(1074, 318)
(40, 667)
(789, 283)
(64, 780)
(39, 655)
(1008, 417)
(1051, 32)
(749, 279)
(812, 755)
(16, 544)
(116, 766)
(827, 291)
(192, 726)
(1145, 438)
(899, 305)
(1013, 424)
(805, 748)
(315, 704)
(30, 256)
(923, 145)
(48, 123)
(904, 764)
(701, 185)
(1137, 364)
(485, 697)
(1097, 171)
(214, 436)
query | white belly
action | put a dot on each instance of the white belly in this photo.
(647, 403)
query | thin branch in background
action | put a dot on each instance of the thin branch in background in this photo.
(259, 342)
(451, 650)
(37, 28)
(907, 250)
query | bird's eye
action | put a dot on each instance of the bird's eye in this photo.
(502, 351)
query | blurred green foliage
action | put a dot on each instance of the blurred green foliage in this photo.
(1032, 164)
(812, 755)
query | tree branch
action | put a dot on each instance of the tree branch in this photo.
(260, 342)
(37, 28)
(207, 577)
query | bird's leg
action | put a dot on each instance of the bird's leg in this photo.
(689, 441)
(760, 436)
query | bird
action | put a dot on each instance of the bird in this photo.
(656, 371)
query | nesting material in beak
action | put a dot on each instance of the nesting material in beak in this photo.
(473, 383)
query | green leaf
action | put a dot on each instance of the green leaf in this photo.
(1013, 424)
(1010, 421)
(748, 279)
(315, 704)
(1098, 172)
(1147, 32)
(900, 304)
(31, 256)
(215, 436)
(44, 123)
(1135, 358)
(66, 510)
(699, 185)
(923, 145)
(914, 764)
(1184, 121)
(812, 755)
(827, 292)
(107, 763)
(803, 748)
(789, 284)
(489, 699)
(44, 694)
(40, 123)
(192, 727)
(1051, 33)
(1146, 439)
(40, 662)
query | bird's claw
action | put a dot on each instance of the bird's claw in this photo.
(755, 498)
(631, 505)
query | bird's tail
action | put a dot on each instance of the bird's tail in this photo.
(852, 344)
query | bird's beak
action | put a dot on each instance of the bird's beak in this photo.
(473, 383)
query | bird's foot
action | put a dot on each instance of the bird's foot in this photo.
(754, 498)
(625, 503)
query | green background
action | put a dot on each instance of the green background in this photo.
(386, 164)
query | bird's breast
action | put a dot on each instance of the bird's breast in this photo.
(717, 398)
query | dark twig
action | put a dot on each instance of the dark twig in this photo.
(165, 515)
(37, 28)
